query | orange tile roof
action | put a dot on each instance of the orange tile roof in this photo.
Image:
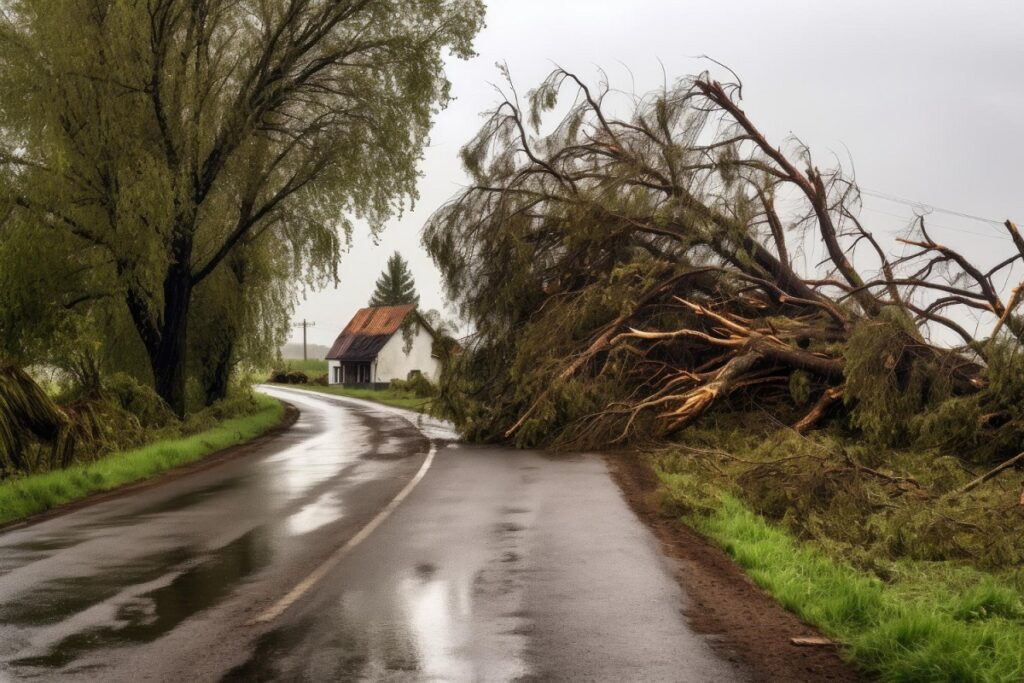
(368, 332)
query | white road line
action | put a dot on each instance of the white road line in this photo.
(317, 574)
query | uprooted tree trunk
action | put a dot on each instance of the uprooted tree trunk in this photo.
(577, 254)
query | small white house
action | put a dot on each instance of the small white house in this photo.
(373, 349)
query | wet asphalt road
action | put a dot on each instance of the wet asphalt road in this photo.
(500, 565)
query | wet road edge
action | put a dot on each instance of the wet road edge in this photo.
(744, 623)
(291, 416)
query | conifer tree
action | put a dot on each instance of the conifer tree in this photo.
(395, 286)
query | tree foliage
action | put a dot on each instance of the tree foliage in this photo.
(27, 414)
(395, 286)
(633, 268)
(146, 143)
(444, 331)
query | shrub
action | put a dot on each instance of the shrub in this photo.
(138, 399)
(235, 405)
(417, 384)
(421, 386)
(284, 376)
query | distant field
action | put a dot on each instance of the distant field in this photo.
(314, 367)
(390, 397)
(294, 350)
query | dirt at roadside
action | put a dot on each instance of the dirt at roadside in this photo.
(746, 624)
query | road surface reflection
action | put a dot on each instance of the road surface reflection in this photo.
(134, 569)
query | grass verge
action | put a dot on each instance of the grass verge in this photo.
(26, 496)
(389, 397)
(933, 621)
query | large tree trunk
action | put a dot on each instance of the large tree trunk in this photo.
(216, 378)
(164, 336)
(164, 333)
(167, 357)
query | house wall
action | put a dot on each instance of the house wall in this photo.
(393, 363)
(331, 365)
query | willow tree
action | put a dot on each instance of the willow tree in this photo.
(243, 310)
(161, 136)
(642, 262)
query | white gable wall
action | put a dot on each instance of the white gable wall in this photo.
(393, 363)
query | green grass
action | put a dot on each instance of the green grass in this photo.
(20, 498)
(933, 621)
(390, 397)
(314, 367)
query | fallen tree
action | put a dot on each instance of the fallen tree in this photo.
(626, 274)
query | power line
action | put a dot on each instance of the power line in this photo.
(928, 207)
(986, 235)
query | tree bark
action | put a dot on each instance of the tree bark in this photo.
(217, 377)
(827, 400)
(167, 357)
(164, 336)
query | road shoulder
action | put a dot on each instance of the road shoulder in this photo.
(213, 459)
(723, 601)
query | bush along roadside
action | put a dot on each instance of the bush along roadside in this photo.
(233, 422)
(311, 371)
(916, 585)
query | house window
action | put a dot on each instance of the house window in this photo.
(337, 374)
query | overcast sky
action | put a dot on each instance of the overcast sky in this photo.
(926, 98)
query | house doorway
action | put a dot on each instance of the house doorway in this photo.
(355, 373)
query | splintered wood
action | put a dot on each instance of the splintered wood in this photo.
(813, 641)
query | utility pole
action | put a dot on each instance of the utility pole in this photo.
(304, 325)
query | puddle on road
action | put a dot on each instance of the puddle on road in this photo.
(153, 614)
(428, 625)
(45, 544)
(58, 599)
(18, 555)
(306, 484)
(391, 437)
(184, 500)
(325, 509)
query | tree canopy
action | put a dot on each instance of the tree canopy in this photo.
(395, 286)
(146, 143)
